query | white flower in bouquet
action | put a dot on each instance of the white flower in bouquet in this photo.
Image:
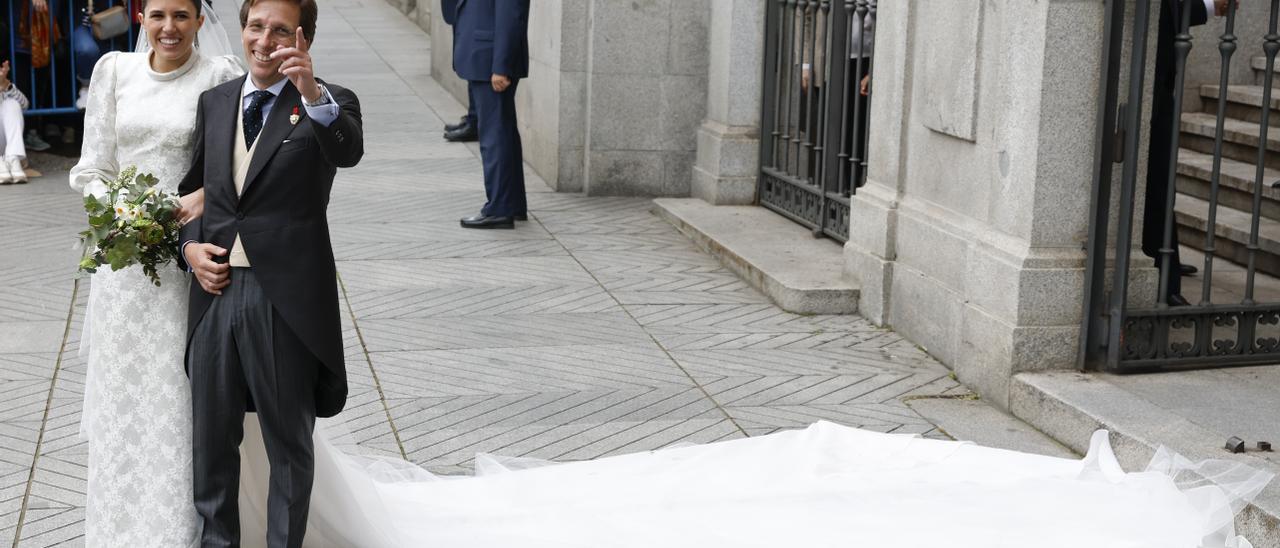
(131, 221)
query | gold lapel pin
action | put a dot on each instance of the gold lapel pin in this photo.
(293, 118)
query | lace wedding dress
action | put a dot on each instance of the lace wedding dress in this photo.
(137, 408)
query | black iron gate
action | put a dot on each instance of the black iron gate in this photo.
(813, 146)
(1226, 318)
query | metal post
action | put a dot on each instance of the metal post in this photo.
(1226, 49)
(1270, 46)
(1093, 328)
(1128, 181)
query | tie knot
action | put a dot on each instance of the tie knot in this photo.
(257, 98)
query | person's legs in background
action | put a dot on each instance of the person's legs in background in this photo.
(11, 134)
(86, 50)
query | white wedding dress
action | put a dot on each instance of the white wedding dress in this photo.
(137, 409)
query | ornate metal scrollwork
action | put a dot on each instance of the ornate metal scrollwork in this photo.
(1200, 335)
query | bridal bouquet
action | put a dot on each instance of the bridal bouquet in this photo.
(131, 221)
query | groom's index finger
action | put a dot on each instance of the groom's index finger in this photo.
(300, 40)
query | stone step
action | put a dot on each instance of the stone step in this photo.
(1259, 66)
(1243, 103)
(1069, 406)
(1240, 138)
(1231, 229)
(1235, 183)
(782, 259)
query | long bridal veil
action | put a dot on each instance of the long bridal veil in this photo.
(211, 39)
(824, 486)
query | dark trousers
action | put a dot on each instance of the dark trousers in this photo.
(1164, 121)
(856, 122)
(471, 108)
(500, 149)
(1155, 210)
(241, 354)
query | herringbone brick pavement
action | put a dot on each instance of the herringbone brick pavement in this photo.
(594, 329)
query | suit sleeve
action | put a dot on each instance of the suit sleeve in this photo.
(342, 142)
(510, 29)
(193, 181)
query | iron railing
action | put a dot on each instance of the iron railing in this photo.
(53, 89)
(813, 147)
(1124, 329)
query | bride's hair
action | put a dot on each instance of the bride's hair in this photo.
(197, 3)
(309, 11)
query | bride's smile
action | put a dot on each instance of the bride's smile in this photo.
(171, 27)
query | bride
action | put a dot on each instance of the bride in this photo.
(823, 486)
(137, 409)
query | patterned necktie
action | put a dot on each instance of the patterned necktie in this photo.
(253, 116)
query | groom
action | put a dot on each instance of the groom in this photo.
(264, 331)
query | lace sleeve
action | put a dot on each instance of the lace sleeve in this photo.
(98, 154)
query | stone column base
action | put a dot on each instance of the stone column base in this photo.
(727, 162)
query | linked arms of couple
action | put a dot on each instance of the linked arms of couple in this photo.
(335, 122)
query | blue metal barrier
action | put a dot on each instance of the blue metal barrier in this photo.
(53, 89)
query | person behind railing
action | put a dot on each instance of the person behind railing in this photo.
(810, 30)
(86, 49)
(12, 103)
(1155, 211)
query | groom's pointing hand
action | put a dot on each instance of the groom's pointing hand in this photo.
(212, 276)
(297, 66)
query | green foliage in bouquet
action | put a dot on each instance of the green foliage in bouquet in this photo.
(131, 222)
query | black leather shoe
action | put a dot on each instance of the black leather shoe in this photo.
(464, 134)
(1177, 299)
(522, 216)
(455, 127)
(1187, 270)
(487, 221)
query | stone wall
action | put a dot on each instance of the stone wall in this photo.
(616, 93)
(968, 237)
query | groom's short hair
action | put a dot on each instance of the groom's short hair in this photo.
(307, 20)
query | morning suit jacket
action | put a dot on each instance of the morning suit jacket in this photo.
(280, 214)
(491, 37)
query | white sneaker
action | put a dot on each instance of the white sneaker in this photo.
(16, 173)
(5, 176)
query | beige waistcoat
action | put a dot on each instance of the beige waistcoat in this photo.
(241, 157)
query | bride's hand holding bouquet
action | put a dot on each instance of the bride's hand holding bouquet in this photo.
(131, 221)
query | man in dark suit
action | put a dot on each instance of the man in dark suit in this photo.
(466, 129)
(264, 329)
(1164, 121)
(491, 52)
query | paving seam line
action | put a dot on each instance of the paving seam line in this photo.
(651, 337)
(377, 384)
(44, 419)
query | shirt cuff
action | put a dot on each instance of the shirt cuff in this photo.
(1210, 8)
(183, 251)
(325, 111)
